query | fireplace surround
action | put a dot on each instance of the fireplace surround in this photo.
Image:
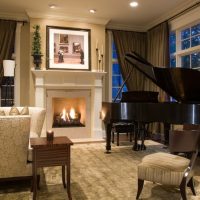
(75, 85)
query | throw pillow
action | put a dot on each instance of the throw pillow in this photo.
(24, 111)
(14, 111)
(2, 113)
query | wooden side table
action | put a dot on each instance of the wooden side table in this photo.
(54, 153)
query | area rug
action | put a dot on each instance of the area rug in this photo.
(96, 175)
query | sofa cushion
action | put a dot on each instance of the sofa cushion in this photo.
(2, 113)
(14, 111)
(24, 111)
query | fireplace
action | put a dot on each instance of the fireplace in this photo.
(55, 90)
(68, 112)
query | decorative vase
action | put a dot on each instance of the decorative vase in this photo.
(37, 60)
(9, 68)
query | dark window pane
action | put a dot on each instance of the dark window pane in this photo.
(114, 54)
(125, 88)
(195, 29)
(185, 34)
(113, 46)
(195, 41)
(114, 93)
(116, 69)
(172, 61)
(185, 44)
(185, 61)
(195, 59)
(116, 81)
(172, 42)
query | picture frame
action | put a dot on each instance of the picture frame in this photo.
(68, 48)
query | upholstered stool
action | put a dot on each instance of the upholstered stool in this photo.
(163, 168)
(118, 128)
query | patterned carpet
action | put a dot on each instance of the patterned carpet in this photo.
(99, 176)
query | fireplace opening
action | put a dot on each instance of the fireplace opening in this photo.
(69, 112)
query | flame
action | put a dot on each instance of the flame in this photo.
(72, 113)
(63, 114)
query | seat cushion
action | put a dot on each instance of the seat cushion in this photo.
(163, 168)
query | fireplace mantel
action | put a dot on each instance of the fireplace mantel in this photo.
(68, 79)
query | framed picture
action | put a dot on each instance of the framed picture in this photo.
(68, 48)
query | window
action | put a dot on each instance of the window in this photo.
(184, 47)
(117, 79)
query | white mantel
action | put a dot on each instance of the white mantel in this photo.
(69, 79)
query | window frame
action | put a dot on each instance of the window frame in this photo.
(179, 24)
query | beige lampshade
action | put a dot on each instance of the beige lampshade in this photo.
(9, 67)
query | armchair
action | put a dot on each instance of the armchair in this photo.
(14, 141)
(37, 116)
(169, 169)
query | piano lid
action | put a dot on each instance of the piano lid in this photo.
(180, 83)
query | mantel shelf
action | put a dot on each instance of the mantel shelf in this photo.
(50, 72)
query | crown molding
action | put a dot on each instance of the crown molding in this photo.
(14, 16)
(172, 13)
(61, 16)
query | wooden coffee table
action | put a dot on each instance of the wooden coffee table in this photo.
(54, 153)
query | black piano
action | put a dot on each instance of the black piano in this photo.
(180, 83)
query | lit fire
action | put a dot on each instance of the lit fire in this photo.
(67, 116)
(72, 113)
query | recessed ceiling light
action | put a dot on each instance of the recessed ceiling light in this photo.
(52, 6)
(134, 4)
(93, 11)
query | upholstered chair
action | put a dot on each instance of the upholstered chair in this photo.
(14, 142)
(170, 169)
(37, 117)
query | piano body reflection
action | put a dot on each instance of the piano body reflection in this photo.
(180, 83)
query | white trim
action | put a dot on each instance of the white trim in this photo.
(186, 19)
(63, 16)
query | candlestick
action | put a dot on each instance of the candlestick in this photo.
(96, 44)
(50, 135)
(102, 63)
(102, 49)
(97, 58)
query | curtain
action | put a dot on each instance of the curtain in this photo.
(125, 42)
(7, 41)
(158, 55)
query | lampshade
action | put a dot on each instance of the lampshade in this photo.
(8, 66)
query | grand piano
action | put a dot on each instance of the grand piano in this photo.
(180, 83)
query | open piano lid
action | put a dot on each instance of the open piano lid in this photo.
(180, 83)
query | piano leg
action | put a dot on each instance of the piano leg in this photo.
(166, 133)
(108, 128)
(140, 133)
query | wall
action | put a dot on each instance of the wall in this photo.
(97, 33)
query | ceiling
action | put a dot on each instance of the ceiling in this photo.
(115, 14)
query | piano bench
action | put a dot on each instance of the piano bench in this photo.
(118, 128)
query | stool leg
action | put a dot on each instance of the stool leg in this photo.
(113, 136)
(117, 139)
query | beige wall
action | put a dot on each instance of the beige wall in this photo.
(97, 33)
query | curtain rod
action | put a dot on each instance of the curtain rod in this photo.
(19, 21)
